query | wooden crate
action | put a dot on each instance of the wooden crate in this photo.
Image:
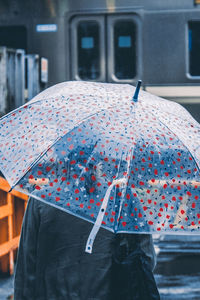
(12, 207)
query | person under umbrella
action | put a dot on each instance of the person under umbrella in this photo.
(52, 263)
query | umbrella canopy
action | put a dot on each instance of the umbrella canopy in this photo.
(89, 149)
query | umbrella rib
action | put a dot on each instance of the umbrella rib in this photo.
(179, 139)
(56, 140)
(175, 115)
(22, 106)
(116, 223)
(60, 208)
(122, 200)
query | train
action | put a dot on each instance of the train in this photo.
(118, 41)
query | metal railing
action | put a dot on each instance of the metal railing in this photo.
(19, 78)
(12, 207)
(32, 75)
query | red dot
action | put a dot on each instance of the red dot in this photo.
(93, 178)
(193, 205)
(92, 189)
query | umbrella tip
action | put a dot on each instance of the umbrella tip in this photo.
(135, 97)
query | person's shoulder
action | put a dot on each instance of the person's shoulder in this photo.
(37, 204)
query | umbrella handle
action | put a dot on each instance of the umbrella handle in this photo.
(101, 214)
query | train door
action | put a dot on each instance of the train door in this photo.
(105, 48)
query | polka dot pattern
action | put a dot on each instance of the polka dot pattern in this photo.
(68, 144)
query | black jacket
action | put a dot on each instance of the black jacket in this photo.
(52, 263)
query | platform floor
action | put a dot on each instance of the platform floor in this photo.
(177, 277)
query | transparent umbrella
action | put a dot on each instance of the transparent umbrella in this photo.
(90, 149)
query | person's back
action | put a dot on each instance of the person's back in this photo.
(53, 265)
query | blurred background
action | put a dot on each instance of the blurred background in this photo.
(44, 42)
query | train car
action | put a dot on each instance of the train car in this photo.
(117, 41)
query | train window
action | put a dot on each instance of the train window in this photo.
(13, 37)
(88, 50)
(194, 48)
(125, 49)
